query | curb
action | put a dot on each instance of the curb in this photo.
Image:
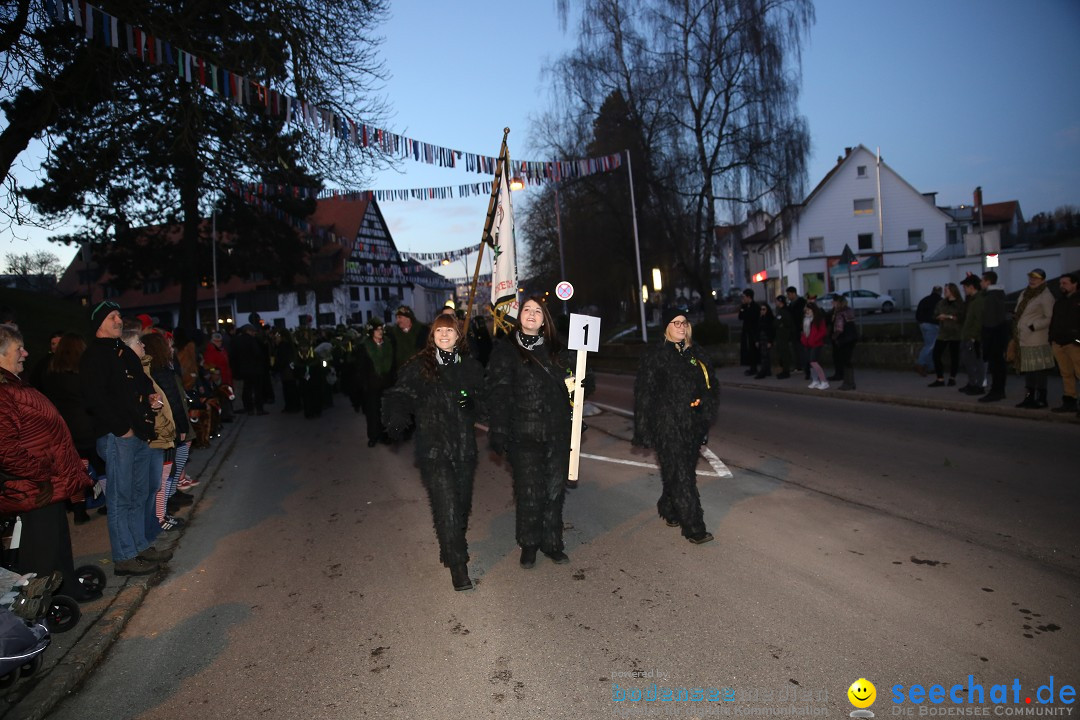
(73, 668)
(925, 403)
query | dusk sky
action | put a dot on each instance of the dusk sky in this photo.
(955, 93)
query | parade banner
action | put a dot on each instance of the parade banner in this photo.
(504, 300)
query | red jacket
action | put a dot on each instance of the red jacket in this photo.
(38, 460)
(213, 357)
(816, 338)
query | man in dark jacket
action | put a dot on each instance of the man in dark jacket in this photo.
(928, 325)
(249, 361)
(796, 307)
(995, 336)
(750, 317)
(1065, 340)
(121, 401)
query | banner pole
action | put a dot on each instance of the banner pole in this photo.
(485, 238)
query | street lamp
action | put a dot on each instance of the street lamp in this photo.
(657, 285)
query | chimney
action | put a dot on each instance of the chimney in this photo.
(847, 151)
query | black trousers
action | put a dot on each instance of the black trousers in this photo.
(449, 485)
(540, 472)
(371, 402)
(46, 546)
(842, 357)
(679, 501)
(995, 340)
(940, 346)
(252, 394)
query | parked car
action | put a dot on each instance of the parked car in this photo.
(861, 301)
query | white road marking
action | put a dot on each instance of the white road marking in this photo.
(651, 466)
(716, 463)
(718, 466)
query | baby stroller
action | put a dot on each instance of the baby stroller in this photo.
(21, 646)
(33, 598)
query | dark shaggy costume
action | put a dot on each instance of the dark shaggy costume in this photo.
(531, 419)
(444, 410)
(668, 382)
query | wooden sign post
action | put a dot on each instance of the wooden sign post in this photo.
(585, 338)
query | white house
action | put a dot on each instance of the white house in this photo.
(861, 204)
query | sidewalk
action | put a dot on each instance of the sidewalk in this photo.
(73, 655)
(908, 388)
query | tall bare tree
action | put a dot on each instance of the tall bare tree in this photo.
(711, 87)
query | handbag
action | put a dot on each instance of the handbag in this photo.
(1012, 351)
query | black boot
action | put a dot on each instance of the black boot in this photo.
(1068, 404)
(1029, 399)
(528, 557)
(849, 379)
(79, 514)
(1040, 399)
(459, 575)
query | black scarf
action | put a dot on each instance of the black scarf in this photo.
(529, 341)
(446, 357)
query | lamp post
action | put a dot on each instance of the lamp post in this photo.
(637, 246)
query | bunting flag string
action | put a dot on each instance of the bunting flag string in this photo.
(110, 31)
(412, 265)
(438, 257)
(429, 193)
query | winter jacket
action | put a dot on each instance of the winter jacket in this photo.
(675, 396)
(949, 328)
(816, 338)
(376, 365)
(527, 395)
(38, 461)
(164, 428)
(1065, 322)
(994, 311)
(844, 329)
(1033, 324)
(406, 344)
(926, 310)
(64, 391)
(215, 357)
(973, 317)
(116, 390)
(444, 408)
(169, 381)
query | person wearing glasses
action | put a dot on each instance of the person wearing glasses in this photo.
(675, 403)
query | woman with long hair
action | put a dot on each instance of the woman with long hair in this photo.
(438, 391)
(60, 383)
(949, 313)
(530, 414)
(163, 372)
(812, 340)
(675, 403)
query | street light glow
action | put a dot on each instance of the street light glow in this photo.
(656, 282)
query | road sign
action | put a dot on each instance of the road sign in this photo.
(564, 291)
(584, 333)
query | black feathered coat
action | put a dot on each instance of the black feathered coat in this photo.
(529, 398)
(667, 383)
(444, 408)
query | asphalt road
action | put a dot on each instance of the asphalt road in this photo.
(853, 540)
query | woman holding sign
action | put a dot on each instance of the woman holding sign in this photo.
(530, 421)
(675, 401)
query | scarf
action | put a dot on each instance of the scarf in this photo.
(1027, 296)
(446, 358)
(529, 341)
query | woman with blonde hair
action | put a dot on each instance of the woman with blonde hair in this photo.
(675, 403)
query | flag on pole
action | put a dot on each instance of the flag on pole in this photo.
(504, 300)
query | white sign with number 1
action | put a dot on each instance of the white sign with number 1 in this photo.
(585, 338)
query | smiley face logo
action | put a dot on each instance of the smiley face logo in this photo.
(862, 693)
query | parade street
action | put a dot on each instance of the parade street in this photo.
(853, 540)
